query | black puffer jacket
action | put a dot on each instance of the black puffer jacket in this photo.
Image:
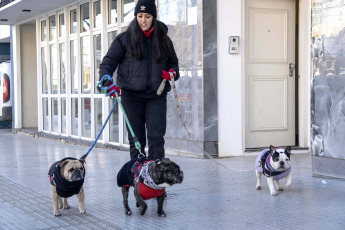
(135, 75)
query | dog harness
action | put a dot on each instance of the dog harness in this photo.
(64, 188)
(139, 171)
(263, 165)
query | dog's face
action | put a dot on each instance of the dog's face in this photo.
(165, 172)
(280, 160)
(72, 170)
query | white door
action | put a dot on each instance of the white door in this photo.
(270, 90)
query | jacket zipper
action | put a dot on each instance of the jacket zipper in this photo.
(150, 65)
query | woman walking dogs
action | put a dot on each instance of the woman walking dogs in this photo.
(143, 56)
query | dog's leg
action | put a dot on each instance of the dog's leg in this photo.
(81, 201)
(65, 204)
(273, 191)
(160, 211)
(288, 181)
(60, 202)
(258, 180)
(125, 191)
(278, 185)
(55, 198)
(139, 199)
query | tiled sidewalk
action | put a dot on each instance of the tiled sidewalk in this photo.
(210, 196)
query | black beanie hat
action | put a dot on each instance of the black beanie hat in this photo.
(146, 6)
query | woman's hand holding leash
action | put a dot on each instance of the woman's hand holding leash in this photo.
(106, 86)
(167, 77)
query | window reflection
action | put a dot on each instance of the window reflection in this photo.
(75, 116)
(84, 17)
(52, 28)
(55, 123)
(86, 117)
(98, 116)
(85, 64)
(114, 123)
(44, 71)
(62, 68)
(62, 27)
(63, 116)
(74, 76)
(112, 14)
(97, 17)
(111, 37)
(43, 30)
(45, 114)
(128, 10)
(98, 58)
(53, 71)
(73, 21)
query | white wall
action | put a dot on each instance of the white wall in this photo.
(230, 83)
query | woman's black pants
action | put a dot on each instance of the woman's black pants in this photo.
(147, 116)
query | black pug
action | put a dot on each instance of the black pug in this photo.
(149, 179)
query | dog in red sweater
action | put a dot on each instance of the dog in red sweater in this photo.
(149, 179)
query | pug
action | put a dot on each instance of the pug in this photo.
(275, 165)
(66, 179)
(149, 179)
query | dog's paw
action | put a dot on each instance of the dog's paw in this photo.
(83, 211)
(57, 214)
(128, 212)
(287, 186)
(143, 209)
(274, 192)
(161, 213)
(258, 187)
(280, 189)
(66, 206)
(138, 206)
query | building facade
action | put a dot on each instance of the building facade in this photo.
(249, 77)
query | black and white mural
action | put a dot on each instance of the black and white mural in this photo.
(328, 79)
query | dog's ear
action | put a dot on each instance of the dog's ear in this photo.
(158, 161)
(64, 163)
(82, 161)
(272, 150)
(288, 151)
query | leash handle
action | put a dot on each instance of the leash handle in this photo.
(161, 87)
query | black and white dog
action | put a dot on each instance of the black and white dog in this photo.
(275, 165)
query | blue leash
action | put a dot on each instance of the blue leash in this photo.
(105, 123)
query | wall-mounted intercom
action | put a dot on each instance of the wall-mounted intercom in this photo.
(234, 44)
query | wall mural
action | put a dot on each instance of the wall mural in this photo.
(328, 78)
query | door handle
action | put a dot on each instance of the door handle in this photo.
(291, 68)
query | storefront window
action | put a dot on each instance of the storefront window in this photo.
(45, 114)
(53, 71)
(55, 119)
(62, 27)
(98, 116)
(85, 64)
(114, 123)
(63, 116)
(52, 28)
(44, 71)
(73, 21)
(75, 116)
(111, 37)
(128, 10)
(112, 14)
(84, 17)
(86, 117)
(74, 66)
(98, 57)
(62, 55)
(97, 17)
(43, 30)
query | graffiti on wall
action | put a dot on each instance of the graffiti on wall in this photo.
(328, 80)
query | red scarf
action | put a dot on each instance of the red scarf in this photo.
(149, 32)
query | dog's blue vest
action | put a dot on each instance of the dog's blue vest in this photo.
(269, 171)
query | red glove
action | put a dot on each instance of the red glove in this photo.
(116, 88)
(166, 75)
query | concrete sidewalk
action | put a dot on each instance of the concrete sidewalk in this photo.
(210, 196)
